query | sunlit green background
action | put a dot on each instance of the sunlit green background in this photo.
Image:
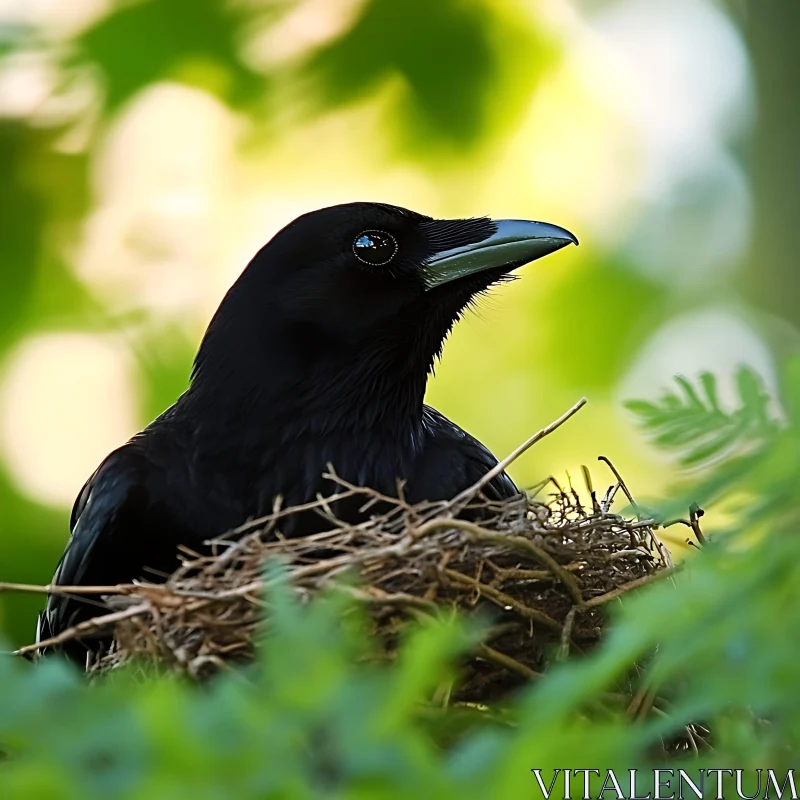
(147, 149)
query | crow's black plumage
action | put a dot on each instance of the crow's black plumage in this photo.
(318, 354)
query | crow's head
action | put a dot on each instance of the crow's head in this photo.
(369, 278)
(358, 269)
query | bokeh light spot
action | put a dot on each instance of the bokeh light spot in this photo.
(66, 401)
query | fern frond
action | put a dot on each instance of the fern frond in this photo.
(692, 421)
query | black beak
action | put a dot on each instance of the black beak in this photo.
(514, 243)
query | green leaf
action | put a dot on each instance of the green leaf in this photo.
(711, 448)
(693, 422)
(709, 384)
(649, 411)
(196, 41)
(693, 400)
(447, 62)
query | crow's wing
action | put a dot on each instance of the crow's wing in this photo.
(121, 526)
(451, 461)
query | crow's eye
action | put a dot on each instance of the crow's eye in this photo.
(375, 248)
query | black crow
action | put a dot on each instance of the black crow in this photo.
(318, 354)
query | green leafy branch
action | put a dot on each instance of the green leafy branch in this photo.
(692, 420)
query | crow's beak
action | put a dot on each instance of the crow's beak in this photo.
(514, 243)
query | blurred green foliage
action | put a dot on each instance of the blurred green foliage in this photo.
(456, 68)
(697, 424)
(744, 454)
(152, 40)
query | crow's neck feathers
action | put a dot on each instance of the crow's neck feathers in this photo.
(269, 369)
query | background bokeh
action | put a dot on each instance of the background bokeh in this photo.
(148, 148)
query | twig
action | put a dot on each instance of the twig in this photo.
(587, 479)
(501, 466)
(53, 588)
(375, 595)
(566, 633)
(481, 534)
(507, 662)
(695, 513)
(87, 626)
(602, 599)
(503, 600)
(622, 485)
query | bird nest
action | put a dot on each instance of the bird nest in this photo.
(545, 569)
(542, 570)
